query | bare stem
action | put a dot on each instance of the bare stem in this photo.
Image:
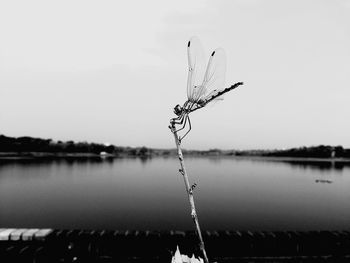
(189, 190)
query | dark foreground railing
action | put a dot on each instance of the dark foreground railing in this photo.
(23, 245)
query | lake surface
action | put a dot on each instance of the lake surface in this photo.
(232, 194)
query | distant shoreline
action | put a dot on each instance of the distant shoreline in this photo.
(29, 147)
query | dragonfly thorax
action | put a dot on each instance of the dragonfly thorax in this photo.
(201, 102)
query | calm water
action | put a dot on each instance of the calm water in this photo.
(236, 194)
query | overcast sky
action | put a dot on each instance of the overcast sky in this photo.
(112, 71)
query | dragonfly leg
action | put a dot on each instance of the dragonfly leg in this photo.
(190, 127)
(178, 120)
(184, 121)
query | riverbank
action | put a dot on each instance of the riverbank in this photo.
(166, 153)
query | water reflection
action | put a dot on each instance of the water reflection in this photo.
(148, 194)
(319, 165)
(48, 160)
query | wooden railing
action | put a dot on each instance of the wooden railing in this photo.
(48, 245)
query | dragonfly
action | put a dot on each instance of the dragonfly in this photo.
(204, 84)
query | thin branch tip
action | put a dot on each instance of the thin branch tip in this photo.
(189, 190)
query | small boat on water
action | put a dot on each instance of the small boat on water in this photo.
(323, 181)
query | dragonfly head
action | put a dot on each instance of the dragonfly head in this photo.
(178, 110)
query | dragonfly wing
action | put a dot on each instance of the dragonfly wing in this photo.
(214, 78)
(196, 67)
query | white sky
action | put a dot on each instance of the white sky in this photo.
(112, 71)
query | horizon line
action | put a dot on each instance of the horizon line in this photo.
(157, 148)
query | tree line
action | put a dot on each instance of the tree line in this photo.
(27, 144)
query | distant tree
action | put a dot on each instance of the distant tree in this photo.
(132, 151)
(339, 151)
(143, 151)
(110, 149)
